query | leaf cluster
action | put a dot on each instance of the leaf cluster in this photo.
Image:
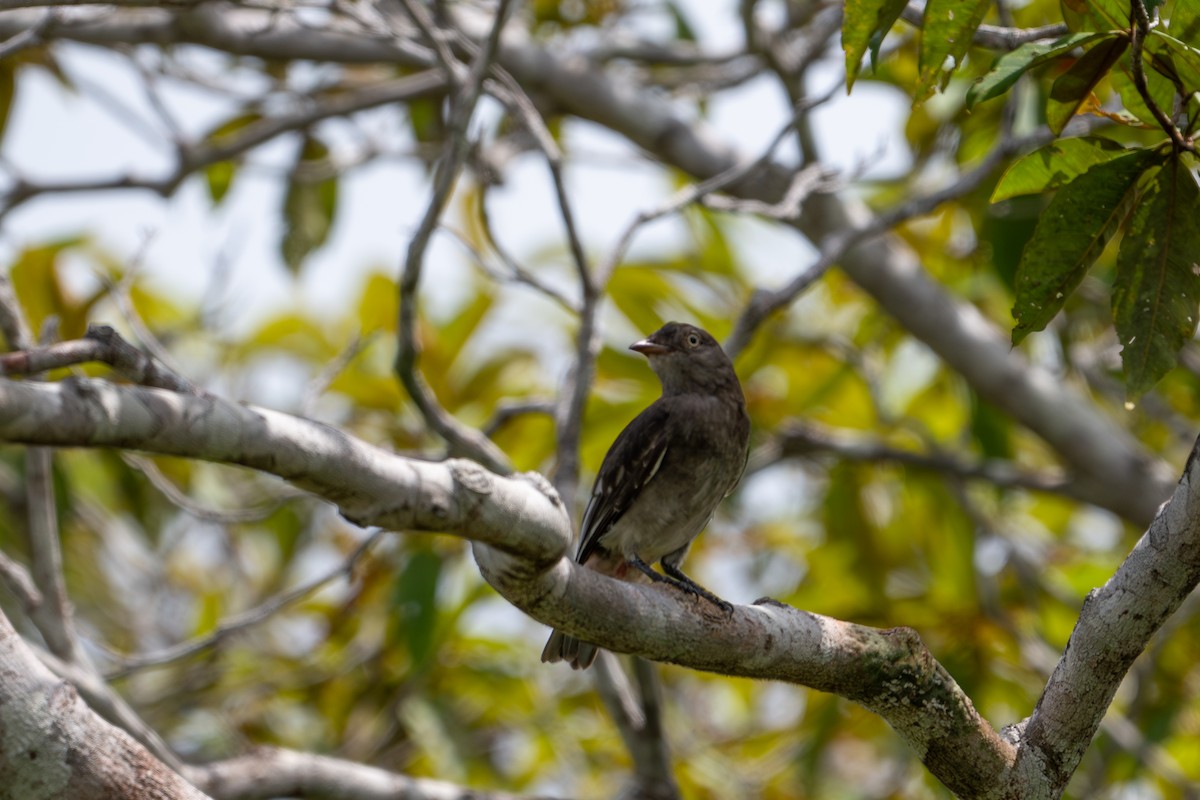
(1143, 194)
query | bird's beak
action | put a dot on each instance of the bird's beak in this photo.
(649, 348)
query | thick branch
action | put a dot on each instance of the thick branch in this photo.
(370, 486)
(1112, 467)
(521, 534)
(54, 746)
(1114, 627)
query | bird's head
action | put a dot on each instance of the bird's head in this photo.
(686, 359)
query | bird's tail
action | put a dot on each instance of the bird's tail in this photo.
(561, 647)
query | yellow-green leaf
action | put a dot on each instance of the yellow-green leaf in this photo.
(946, 35)
(309, 205)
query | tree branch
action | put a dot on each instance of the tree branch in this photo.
(79, 755)
(1139, 29)
(1111, 465)
(1114, 627)
(199, 155)
(460, 437)
(247, 619)
(521, 534)
(273, 772)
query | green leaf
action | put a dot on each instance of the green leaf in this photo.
(414, 602)
(219, 176)
(1007, 228)
(946, 33)
(991, 429)
(1157, 288)
(683, 28)
(1010, 66)
(425, 118)
(1074, 13)
(1054, 165)
(865, 20)
(1175, 58)
(1070, 236)
(1107, 14)
(8, 85)
(308, 207)
(39, 285)
(1162, 90)
(1184, 23)
(1076, 84)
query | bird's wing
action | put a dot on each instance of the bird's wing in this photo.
(631, 462)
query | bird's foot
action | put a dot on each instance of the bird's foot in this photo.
(691, 587)
(682, 582)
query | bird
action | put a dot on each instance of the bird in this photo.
(665, 474)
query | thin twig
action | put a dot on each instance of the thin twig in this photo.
(804, 440)
(323, 379)
(516, 273)
(203, 154)
(763, 303)
(458, 435)
(217, 516)
(508, 410)
(247, 619)
(578, 383)
(30, 37)
(53, 615)
(1139, 29)
(698, 191)
(102, 344)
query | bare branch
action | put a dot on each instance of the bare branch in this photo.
(804, 439)
(217, 516)
(461, 437)
(370, 486)
(637, 713)
(1114, 627)
(101, 343)
(247, 619)
(30, 37)
(203, 154)
(521, 534)
(994, 37)
(79, 755)
(274, 772)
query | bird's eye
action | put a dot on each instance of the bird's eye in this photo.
(693, 340)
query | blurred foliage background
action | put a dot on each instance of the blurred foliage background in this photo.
(404, 658)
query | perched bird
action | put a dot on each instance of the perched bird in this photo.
(666, 473)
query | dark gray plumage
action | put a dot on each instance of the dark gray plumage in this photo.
(665, 474)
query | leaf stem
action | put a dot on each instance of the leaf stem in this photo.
(1139, 28)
